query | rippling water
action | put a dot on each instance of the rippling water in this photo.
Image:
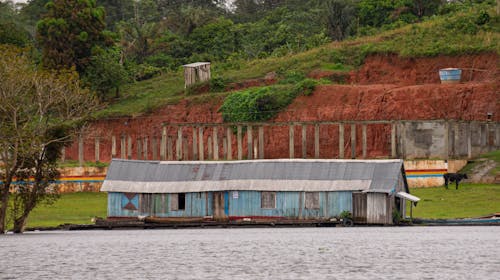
(290, 253)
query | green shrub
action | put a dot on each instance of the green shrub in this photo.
(256, 104)
(306, 87)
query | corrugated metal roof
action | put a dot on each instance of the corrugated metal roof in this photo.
(263, 175)
(196, 64)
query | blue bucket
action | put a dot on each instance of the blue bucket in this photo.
(450, 75)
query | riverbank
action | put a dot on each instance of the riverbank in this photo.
(469, 201)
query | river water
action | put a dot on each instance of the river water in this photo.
(258, 253)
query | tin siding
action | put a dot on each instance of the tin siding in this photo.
(289, 205)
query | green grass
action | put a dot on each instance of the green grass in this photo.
(495, 156)
(453, 34)
(71, 208)
(470, 200)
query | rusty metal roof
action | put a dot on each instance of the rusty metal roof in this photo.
(262, 175)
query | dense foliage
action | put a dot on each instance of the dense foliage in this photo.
(113, 42)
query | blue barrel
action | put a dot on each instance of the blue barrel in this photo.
(450, 75)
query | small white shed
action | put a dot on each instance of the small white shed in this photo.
(196, 73)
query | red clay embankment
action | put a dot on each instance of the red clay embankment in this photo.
(386, 87)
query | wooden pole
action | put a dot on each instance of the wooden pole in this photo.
(229, 143)
(364, 140)
(201, 150)
(216, 143)
(195, 143)
(113, 146)
(163, 145)
(261, 142)
(304, 141)
(240, 142)
(353, 141)
(250, 141)
(316, 141)
(393, 141)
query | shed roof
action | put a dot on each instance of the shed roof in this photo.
(260, 175)
(196, 64)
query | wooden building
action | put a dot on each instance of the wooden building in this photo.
(196, 73)
(291, 189)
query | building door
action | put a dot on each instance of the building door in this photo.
(220, 213)
(359, 207)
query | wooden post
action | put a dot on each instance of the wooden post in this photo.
(456, 139)
(304, 141)
(229, 143)
(261, 142)
(216, 143)
(80, 149)
(113, 146)
(163, 145)
(469, 140)
(97, 152)
(201, 150)
(364, 140)
(123, 146)
(240, 142)
(393, 141)
(353, 141)
(250, 141)
(170, 148)
(129, 147)
(316, 141)
(209, 146)
(341, 140)
(178, 146)
(195, 143)
(291, 141)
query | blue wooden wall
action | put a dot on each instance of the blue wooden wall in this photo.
(237, 204)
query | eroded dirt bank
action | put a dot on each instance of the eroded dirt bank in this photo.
(385, 88)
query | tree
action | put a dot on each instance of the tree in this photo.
(11, 29)
(68, 33)
(39, 113)
(340, 17)
(105, 73)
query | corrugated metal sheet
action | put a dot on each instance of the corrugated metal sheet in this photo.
(263, 175)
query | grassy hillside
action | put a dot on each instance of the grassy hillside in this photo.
(452, 34)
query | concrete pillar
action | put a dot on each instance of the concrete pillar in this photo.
(304, 141)
(341, 140)
(129, 147)
(250, 141)
(353, 141)
(364, 140)
(209, 146)
(261, 142)
(456, 140)
(240, 142)
(393, 141)
(185, 148)
(139, 148)
(63, 154)
(216, 143)
(291, 141)
(446, 140)
(195, 143)
(163, 145)
(97, 148)
(229, 135)
(80, 149)
(497, 130)
(316, 141)
(113, 146)
(145, 148)
(154, 148)
(123, 146)
(224, 147)
(201, 150)
(178, 146)
(170, 148)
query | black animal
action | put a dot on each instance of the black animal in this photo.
(453, 177)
